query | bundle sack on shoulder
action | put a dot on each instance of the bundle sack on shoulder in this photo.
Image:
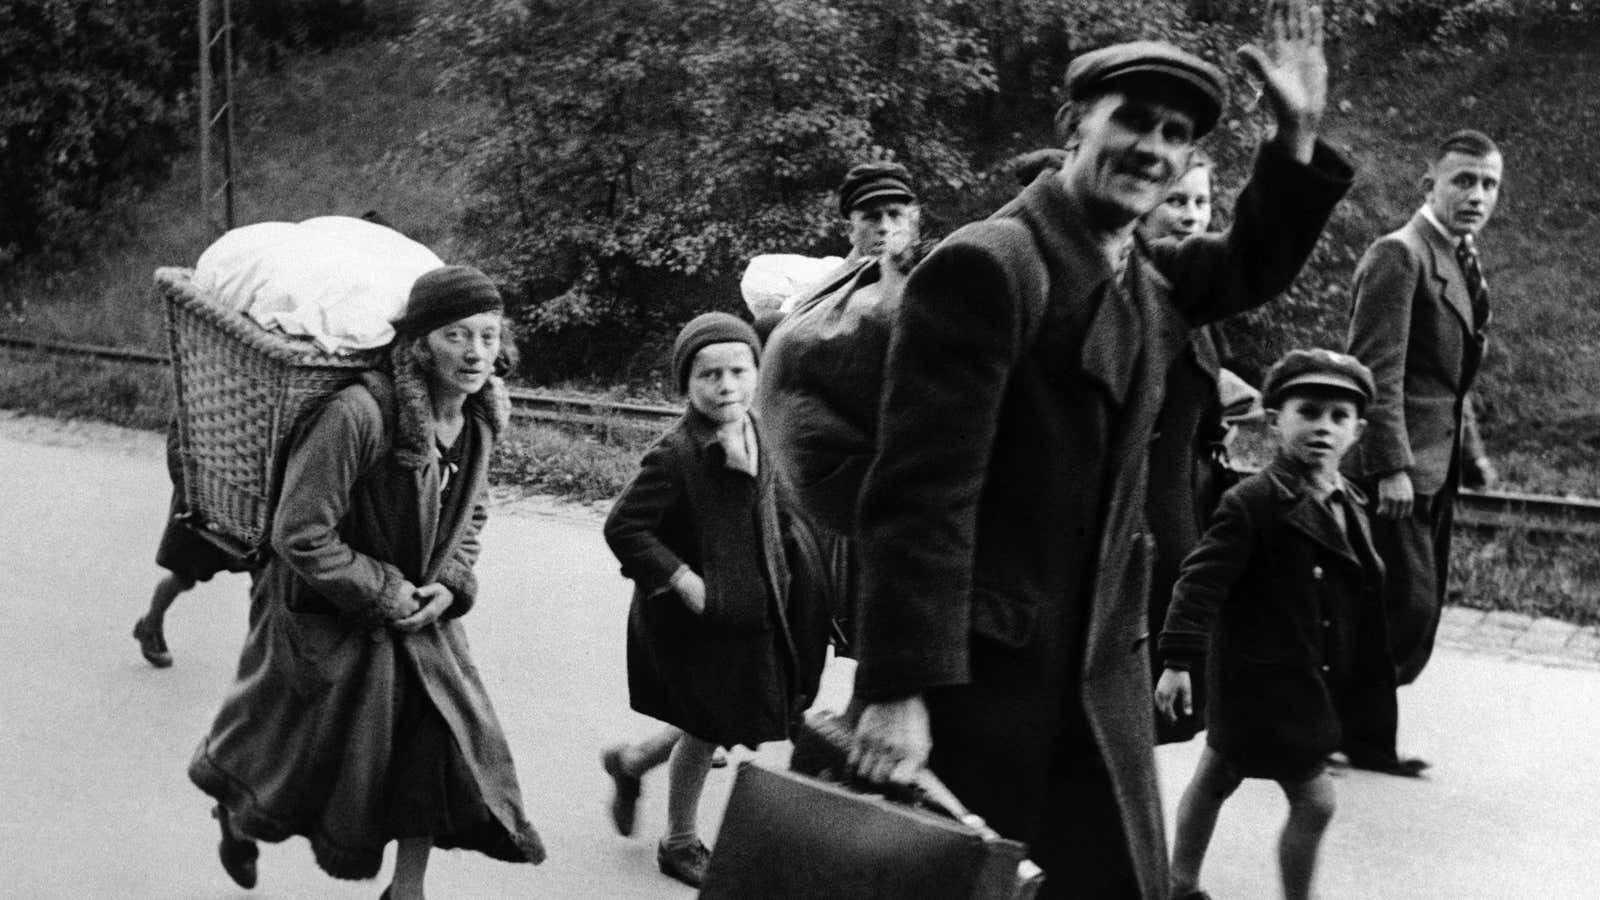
(274, 318)
(788, 835)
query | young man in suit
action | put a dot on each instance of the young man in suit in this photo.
(1420, 312)
(1005, 559)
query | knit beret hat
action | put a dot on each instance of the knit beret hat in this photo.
(1318, 368)
(703, 330)
(1154, 67)
(873, 181)
(444, 295)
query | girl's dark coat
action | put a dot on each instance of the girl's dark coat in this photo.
(731, 674)
(303, 742)
(1293, 612)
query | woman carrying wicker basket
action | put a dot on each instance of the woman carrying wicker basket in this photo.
(358, 717)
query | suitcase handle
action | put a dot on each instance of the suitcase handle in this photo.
(824, 738)
(822, 746)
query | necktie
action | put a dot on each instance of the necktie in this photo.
(1477, 288)
(1334, 504)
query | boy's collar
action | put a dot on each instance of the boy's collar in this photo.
(704, 430)
(1294, 481)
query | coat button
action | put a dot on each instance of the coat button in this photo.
(1324, 667)
(1327, 623)
(1316, 572)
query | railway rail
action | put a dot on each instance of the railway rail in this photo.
(1489, 510)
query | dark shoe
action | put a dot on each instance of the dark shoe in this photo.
(1192, 895)
(625, 790)
(1399, 766)
(152, 643)
(686, 863)
(238, 854)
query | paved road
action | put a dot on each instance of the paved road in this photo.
(93, 743)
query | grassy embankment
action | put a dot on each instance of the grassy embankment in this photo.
(345, 132)
(336, 133)
(1540, 99)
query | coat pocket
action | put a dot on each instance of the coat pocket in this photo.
(735, 610)
(1002, 618)
(323, 648)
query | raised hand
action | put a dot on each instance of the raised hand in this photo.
(1293, 71)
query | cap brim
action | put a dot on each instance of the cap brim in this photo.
(1198, 95)
(881, 193)
(1326, 380)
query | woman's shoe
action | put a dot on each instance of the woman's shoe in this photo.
(686, 862)
(238, 854)
(152, 644)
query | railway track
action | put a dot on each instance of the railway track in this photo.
(1489, 510)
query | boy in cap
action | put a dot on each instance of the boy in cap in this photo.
(1282, 601)
(710, 650)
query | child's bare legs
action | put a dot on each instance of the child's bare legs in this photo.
(1213, 783)
(1311, 806)
(681, 854)
(626, 764)
(654, 750)
(691, 760)
(148, 630)
(410, 868)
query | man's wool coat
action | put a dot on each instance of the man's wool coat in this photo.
(1006, 560)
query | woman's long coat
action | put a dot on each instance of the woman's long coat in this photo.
(1005, 557)
(1292, 611)
(304, 741)
(731, 675)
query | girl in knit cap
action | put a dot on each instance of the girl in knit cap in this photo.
(358, 717)
(710, 650)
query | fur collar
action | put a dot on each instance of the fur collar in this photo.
(413, 437)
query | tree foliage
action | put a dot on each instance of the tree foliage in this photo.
(636, 153)
(95, 96)
(90, 97)
(640, 152)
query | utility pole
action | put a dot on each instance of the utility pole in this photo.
(216, 114)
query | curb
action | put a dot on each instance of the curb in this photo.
(1540, 640)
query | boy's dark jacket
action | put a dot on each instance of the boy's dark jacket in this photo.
(732, 675)
(1287, 612)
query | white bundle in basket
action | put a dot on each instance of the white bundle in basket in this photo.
(773, 282)
(336, 280)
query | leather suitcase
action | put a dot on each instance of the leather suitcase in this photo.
(787, 836)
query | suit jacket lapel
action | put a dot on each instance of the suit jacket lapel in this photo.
(1451, 284)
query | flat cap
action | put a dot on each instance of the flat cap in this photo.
(1318, 368)
(874, 181)
(1152, 67)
